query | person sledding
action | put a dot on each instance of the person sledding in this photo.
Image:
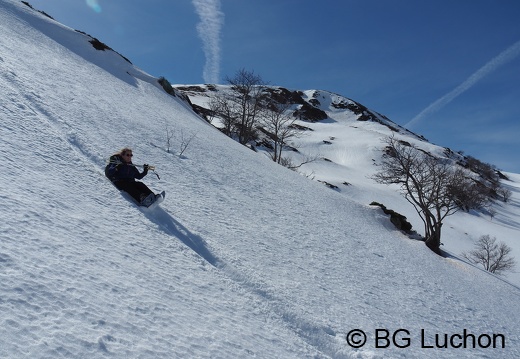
(123, 174)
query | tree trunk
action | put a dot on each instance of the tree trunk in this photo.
(434, 240)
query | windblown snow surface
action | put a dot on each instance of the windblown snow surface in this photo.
(243, 259)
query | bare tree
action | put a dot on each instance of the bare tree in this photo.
(185, 142)
(245, 102)
(288, 163)
(492, 212)
(471, 194)
(221, 106)
(169, 135)
(240, 106)
(278, 124)
(494, 257)
(504, 193)
(431, 185)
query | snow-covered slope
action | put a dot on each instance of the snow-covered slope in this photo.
(344, 149)
(244, 259)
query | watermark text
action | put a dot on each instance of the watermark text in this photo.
(404, 338)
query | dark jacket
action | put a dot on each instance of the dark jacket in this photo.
(118, 170)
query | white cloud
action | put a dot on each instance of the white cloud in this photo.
(211, 21)
(492, 65)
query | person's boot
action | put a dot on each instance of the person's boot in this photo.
(148, 200)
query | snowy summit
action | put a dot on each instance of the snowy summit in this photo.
(244, 258)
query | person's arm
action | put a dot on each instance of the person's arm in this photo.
(144, 173)
(113, 167)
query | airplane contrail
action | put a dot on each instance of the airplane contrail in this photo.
(94, 5)
(505, 56)
(211, 21)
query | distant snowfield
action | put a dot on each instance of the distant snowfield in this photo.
(243, 259)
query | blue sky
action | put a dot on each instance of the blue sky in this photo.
(448, 69)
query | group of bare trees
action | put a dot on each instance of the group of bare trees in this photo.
(239, 108)
(246, 108)
(436, 188)
(183, 141)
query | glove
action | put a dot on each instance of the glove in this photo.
(145, 167)
(115, 160)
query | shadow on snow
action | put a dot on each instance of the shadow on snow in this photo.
(174, 228)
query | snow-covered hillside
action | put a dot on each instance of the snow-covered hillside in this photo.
(345, 149)
(243, 259)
